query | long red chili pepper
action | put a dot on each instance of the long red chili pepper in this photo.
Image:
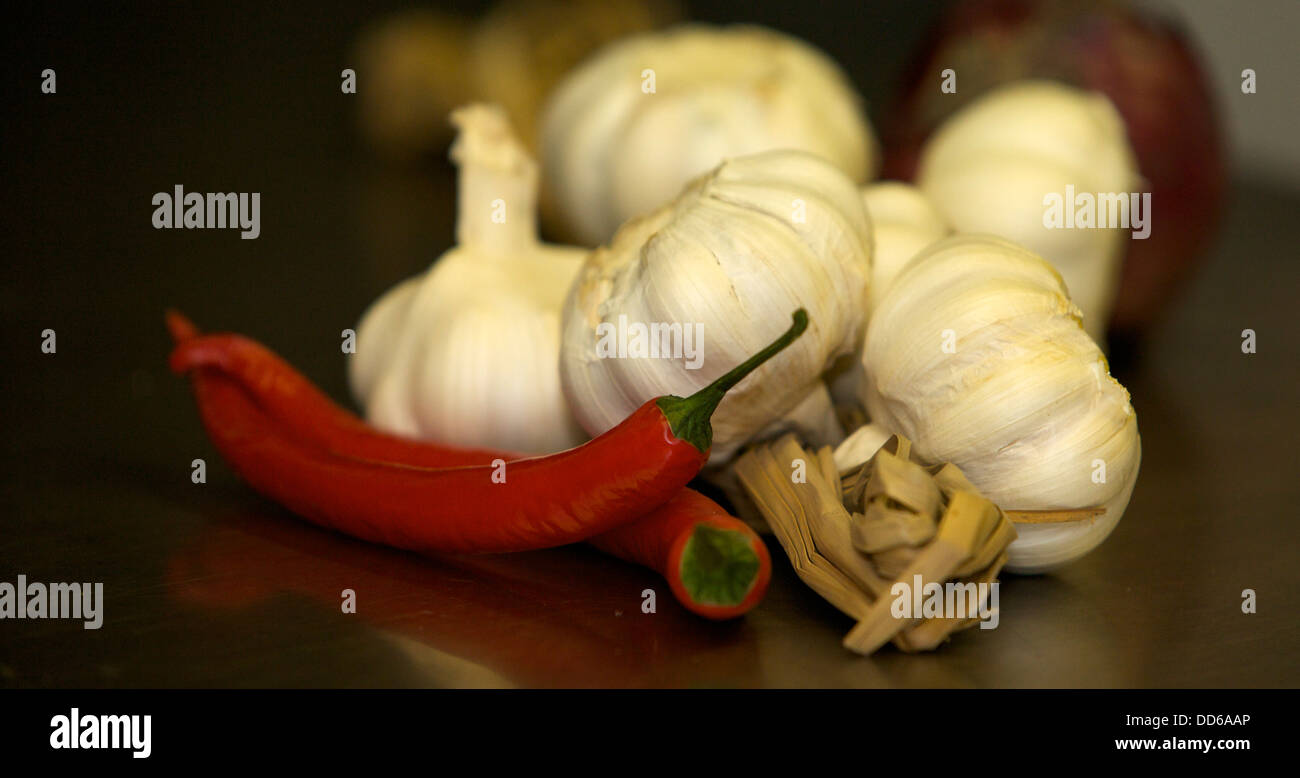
(716, 566)
(563, 498)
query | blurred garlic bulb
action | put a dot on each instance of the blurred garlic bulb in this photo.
(411, 72)
(466, 353)
(522, 48)
(728, 260)
(905, 222)
(417, 65)
(977, 356)
(625, 130)
(992, 165)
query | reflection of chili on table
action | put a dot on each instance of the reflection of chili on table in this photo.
(294, 445)
(534, 618)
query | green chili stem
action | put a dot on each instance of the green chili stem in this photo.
(688, 417)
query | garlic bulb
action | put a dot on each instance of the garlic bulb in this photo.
(625, 130)
(467, 352)
(991, 167)
(905, 221)
(977, 356)
(726, 262)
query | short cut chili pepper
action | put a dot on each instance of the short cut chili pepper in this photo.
(715, 565)
(545, 501)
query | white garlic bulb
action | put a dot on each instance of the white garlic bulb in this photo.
(976, 354)
(467, 352)
(731, 258)
(992, 165)
(625, 130)
(905, 222)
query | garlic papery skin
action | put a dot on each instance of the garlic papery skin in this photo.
(626, 130)
(976, 354)
(733, 256)
(467, 353)
(905, 222)
(992, 165)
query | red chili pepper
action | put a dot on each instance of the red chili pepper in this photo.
(714, 563)
(716, 566)
(628, 471)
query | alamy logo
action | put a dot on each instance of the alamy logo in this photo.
(657, 340)
(77, 731)
(53, 601)
(1101, 211)
(953, 600)
(211, 210)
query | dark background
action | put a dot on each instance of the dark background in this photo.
(208, 585)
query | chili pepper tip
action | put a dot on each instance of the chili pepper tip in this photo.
(180, 327)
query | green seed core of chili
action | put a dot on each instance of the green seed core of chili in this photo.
(689, 416)
(718, 566)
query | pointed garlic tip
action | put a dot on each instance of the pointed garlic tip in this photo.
(497, 181)
(485, 138)
(977, 355)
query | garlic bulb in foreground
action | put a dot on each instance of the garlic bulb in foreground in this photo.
(994, 165)
(625, 130)
(467, 352)
(719, 270)
(977, 356)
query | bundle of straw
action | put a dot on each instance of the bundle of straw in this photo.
(853, 536)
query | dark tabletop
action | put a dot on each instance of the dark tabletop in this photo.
(209, 585)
